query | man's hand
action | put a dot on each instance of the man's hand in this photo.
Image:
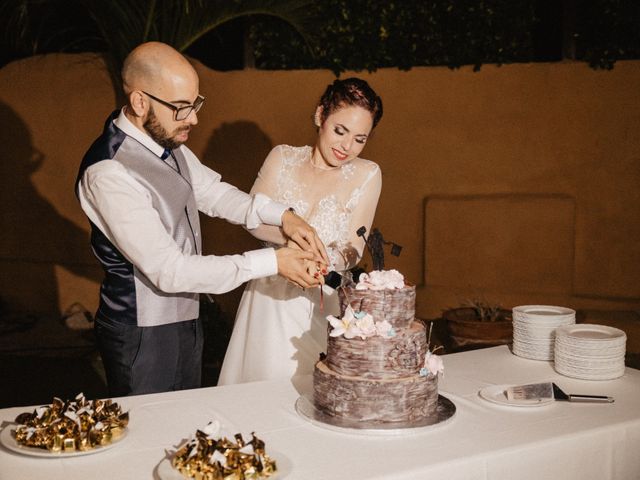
(299, 267)
(295, 228)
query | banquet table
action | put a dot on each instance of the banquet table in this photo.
(483, 440)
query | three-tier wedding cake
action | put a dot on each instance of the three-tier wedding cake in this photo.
(378, 367)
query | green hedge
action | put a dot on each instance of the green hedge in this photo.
(366, 35)
(608, 30)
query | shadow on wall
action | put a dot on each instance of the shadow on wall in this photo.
(236, 151)
(35, 237)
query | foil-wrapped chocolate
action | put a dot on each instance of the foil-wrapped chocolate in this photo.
(208, 458)
(71, 425)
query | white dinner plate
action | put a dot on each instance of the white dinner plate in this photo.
(498, 394)
(587, 334)
(165, 471)
(542, 312)
(7, 440)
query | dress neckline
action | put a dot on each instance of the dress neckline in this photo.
(322, 167)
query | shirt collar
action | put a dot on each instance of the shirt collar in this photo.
(124, 124)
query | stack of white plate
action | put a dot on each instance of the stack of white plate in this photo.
(534, 329)
(590, 352)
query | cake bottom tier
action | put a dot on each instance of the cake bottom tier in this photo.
(406, 399)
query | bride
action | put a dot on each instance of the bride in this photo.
(280, 329)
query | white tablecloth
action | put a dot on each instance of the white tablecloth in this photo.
(482, 441)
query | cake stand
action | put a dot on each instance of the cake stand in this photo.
(445, 411)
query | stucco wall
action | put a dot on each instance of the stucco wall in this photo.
(518, 183)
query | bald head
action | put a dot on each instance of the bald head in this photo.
(157, 67)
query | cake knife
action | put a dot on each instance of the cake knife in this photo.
(549, 390)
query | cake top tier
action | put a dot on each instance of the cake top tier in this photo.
(383, 295)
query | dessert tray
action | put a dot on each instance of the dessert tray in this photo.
(165, 471)
(445, 411)
(67, 428)
(8, 441)
(212, 452)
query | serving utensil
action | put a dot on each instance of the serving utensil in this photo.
(541, 391)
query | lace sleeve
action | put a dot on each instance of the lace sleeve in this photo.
(363, 203)
(267, 183)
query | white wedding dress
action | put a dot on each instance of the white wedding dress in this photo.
(280, 329)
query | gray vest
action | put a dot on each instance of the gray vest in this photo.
(172, 197)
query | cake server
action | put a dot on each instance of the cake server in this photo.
(540, 391)
(558, 394)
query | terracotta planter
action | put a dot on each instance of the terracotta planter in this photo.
(466, 332)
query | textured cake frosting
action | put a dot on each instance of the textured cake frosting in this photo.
(377, 377)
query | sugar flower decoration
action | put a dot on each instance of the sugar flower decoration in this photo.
(346, 326)
(359, 324)
(365, 324)
(385, 329)
(380, 280)
(432, 364)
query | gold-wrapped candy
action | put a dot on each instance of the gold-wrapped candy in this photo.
(206, 458)
(69, 444)
(66, 426)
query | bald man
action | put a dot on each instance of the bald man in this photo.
(141, 189)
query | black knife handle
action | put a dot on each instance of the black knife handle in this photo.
(590, 398)
(333, 279)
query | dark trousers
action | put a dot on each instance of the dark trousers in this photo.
(140, 360)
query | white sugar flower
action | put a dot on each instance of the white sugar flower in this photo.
(366, 325)
(380, 280)
(385, 329)
(348, 325)
(433, 363)
(339, 325)
(353, 331)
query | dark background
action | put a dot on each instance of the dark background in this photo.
(364, 35)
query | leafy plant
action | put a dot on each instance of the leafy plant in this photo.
(608, 30)
(370, 34)
(115, 27)
(485, 311)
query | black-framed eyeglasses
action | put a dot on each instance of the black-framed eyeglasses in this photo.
(180, 113)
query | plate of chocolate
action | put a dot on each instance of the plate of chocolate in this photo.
(67, 428)
(209, 454)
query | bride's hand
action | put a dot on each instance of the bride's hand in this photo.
(312, 266)
(315, 269)
(297, 229)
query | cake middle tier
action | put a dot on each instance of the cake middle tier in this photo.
(379, 357)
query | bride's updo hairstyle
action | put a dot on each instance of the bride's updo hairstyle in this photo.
(350, 92)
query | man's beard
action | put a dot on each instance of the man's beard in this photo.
(159, 134)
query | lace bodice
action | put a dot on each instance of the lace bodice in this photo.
(335, 201)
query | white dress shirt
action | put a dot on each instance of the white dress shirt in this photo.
(121, 208)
